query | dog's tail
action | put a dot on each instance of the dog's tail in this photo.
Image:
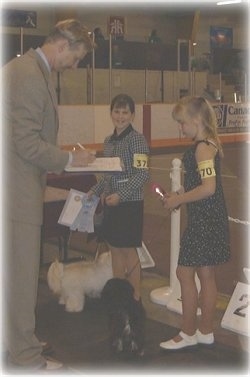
(54, 276)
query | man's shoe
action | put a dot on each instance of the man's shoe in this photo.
(204, 338)
(51, 364)
(185, 342)
(47, 349)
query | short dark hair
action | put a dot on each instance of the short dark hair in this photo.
(122, 101)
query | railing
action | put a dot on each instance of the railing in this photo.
(150, 73)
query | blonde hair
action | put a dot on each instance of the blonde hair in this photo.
(75, 33)
(198, 106)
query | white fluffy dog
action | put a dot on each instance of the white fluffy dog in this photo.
(75, 280)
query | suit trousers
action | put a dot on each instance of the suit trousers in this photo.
(21, 284)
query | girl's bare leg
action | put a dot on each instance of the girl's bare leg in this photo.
(133, 267)
(118, 265)
(189, 296)
(208, 298)
(126, 265)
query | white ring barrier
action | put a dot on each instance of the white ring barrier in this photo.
(160, 295)
(171, 296)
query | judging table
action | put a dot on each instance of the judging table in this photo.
(58, 186)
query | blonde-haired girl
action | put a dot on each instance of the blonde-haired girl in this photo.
(205, 241)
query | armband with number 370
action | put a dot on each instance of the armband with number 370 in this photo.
(206, 169)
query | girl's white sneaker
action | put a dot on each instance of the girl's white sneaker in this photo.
(204, 338)
(187, 341)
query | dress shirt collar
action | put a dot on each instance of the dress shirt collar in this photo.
(39, 51)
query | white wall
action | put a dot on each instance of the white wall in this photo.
(162, 124)
(91, 124)
(77, 124)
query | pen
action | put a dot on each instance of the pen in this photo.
(81, 146)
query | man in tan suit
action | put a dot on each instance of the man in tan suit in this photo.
(30, 122)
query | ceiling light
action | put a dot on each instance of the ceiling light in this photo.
(227, 2)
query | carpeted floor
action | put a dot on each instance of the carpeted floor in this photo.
(81, 341)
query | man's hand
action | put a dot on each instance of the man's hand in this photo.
(83, 157)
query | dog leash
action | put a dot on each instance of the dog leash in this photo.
(127, 273)
(132, 269)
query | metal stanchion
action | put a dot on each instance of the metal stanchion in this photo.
(110, 68)
(93, 74)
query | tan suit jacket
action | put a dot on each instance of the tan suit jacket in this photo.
(30, 122)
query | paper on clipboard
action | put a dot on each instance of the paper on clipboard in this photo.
(101, 164)
(78, 211)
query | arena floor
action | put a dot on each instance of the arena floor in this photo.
(157, 225)
(157, 221)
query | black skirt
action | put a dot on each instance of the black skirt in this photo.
(123, 224)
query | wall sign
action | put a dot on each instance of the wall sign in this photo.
(116, 27)
(221, 37)
(19, 18)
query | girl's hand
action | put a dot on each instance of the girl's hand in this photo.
(90, 193)
(172, 201)
(112, 200)
(102, 197)
(181, 190)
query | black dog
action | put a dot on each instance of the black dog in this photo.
(126, 318)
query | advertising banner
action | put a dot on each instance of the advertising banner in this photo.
(232, 117)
